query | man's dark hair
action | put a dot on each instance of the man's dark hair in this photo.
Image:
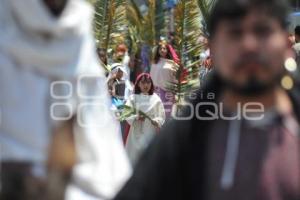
(297, 30)
(236, 9)
(56, 7)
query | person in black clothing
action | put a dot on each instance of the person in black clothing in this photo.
(243, 139)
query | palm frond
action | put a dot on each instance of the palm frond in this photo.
(161, 19)
(150, 26)
(188, 29)
(110, 23)
(134, 14)
(129, 111)
(145, 29)
(136, 26)
(205, 7)
(187, 32)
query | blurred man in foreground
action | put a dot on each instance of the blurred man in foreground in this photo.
(58, 138)
(243, 139)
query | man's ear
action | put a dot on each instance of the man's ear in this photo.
(55, 7)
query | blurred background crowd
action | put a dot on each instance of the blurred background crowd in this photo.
(85, 86)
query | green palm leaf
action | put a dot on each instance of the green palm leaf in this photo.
(110, 22)
(188, 30)
(129, 111)
(206, 7)
(150, 26)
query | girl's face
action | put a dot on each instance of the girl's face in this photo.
(145, 85)
(163, 51)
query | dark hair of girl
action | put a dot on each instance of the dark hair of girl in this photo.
(230, 10)
(142, 77)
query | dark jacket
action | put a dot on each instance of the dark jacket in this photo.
(174, 167)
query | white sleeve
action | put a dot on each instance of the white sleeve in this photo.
(132, 118)
(102, 166)
(160, 116)
(128, 90)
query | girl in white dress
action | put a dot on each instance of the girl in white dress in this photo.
(142, 129)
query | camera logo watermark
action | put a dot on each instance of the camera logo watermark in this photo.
(85, 97)
(92, 102)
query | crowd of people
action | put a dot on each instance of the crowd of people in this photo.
(124, 86)
(142, 91)
(78, 124)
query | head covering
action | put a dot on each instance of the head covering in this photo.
(116, 67)
(139, 77)
(55, 46)
(37, 48)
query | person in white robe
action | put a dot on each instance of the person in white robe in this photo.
(119, 86)
(142, 129)
(49, 73)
